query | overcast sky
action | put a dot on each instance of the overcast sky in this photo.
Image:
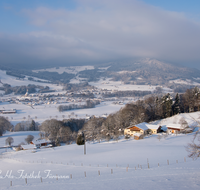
(99, 31)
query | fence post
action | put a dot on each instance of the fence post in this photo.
(148, 165)
(111, 171)
(126, 169)
(10, 183)
(70, 176)
(26, 180)
(85, 174)
(41, 179)
(168, 162)
(99, 172)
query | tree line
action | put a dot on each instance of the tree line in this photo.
(31, 88)
(96, 128)
(88, 104)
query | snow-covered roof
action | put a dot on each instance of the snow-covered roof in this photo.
(142, 126)
(150, 126)
(175, 126)
(28, 146)
(137, 134)
(40, 141)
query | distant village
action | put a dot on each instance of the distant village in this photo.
(60, 98)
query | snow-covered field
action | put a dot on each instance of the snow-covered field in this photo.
(41, 113)
(187, 82)
(17, 82)
(120, 86)
(72, 69)
(101, 84)
(106, 165)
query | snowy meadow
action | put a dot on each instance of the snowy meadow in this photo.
(123, 164)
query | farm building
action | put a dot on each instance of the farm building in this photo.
(41, 143)
(28, 147)
(135, 129)
(138, 136)
(175, 128)
(154, 128)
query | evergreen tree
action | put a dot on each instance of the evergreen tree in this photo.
(167, 105)
(80, 139)
(196, 94)
(176, 105)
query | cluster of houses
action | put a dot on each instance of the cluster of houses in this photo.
(59, 98)
(35, 144)
(140, 130)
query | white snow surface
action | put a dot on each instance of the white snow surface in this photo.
(120, 86)
(72, 69)
(43, 112)
(13, 81)
(121, 165)
(187, 82)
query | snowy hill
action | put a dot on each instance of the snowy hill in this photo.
(150, 163)
(127, 164)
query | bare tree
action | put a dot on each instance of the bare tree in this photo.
(183, 123)
(4, 125)
(194, 147)
(159, 137)
(64, 134)
(51, 128)
(9, 141)
(29, 138)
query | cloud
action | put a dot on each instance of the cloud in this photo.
(104, 31)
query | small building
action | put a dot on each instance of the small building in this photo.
(154, 128)
(41, 143)
(175, 128)
(28, 147)
(141, 129)
(9, 111)
(138, 136)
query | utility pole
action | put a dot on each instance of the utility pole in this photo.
(84, 142)
(85, 147)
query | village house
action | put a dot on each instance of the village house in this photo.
(154, 129)
(133, 130)
(175, 128)
(41, 143)
(28, 147)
